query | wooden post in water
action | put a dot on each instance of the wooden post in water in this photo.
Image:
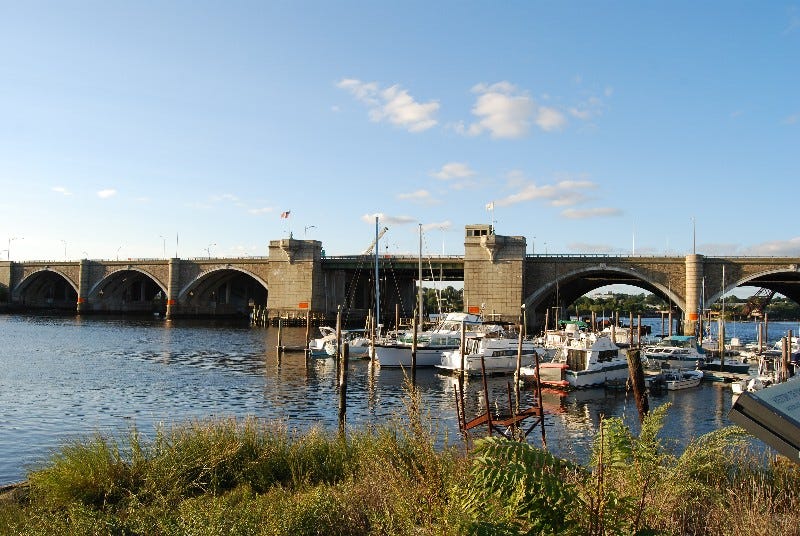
(760, 337)
(631, 343)
(669, 330)
(546, 318)
(516, 370)
(639, 331)
(637, 382)
(414, 350)
(343, 388)
(461, 349)
(396, 320)
(613, 327)
(485, 395)
(308, 333)
(338, 336)
(279, 348)
(539, 402)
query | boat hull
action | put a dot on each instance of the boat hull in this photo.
(400, 355)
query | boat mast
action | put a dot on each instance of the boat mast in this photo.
(419, 292)
(377, 283)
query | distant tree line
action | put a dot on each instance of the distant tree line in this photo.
(650, 305)
(445, 300)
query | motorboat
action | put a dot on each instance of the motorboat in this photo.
(587, 362)
(676, 351)
(325, 346)
(495, 352)
(445, 336)
(673, 380)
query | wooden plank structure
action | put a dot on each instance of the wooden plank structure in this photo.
(510, 423)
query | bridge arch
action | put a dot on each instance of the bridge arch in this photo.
(46, 288)
(128, 290)
(783, 280)
(567, 287)
(224, 290)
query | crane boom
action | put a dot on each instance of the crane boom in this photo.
(368, 251)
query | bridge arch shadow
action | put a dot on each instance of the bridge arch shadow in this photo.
(569, 286)
(46, 289)
(783, 281)
(128, 290)
(223, 291)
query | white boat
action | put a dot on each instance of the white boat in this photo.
(677, 351)
(325, 346)
(673, 380)
(446, 335)
(588, 362)
(498, 350)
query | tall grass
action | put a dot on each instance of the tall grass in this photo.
(251, 477)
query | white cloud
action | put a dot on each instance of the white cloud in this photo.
(550, 119)
(440, 226)
(502, 110)
(453, 170)
(105, 194)
(562, 193)
(259, 211)
(385, 219)
(775, 248)
(393, 104)
(419, 196)
(582, 214)
(61, 190)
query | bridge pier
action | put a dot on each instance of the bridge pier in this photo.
(173, 288)
(83, 286)
(694, 290)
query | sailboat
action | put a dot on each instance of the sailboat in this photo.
(446, 335)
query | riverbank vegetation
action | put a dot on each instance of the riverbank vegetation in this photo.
(249, 477)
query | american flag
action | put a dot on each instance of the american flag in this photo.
(285, 215)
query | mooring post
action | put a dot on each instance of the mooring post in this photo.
(279, 348)
(486, 396)
(539, 402)
(637, 382)
(414, 350)
(308, 333)
(516, 371)
(343, 389)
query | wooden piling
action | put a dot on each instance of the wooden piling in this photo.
(414, 350)
(636, 373)
(639, 332)
(343, 388)
(308, 333)
(516, 370)
(461, 347)
(485, 395)
(279, 348)
(539, 402)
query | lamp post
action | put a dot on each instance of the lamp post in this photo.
(119, 248)
(307, 227)
(163, 245)
(533, 246)
(208, 249)
(65, 248)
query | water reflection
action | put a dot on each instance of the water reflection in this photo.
(63, 377)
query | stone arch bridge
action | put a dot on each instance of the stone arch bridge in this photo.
(296, 279)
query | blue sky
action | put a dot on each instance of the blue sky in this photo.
(595, 127)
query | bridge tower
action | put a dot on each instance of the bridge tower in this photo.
(493, 273)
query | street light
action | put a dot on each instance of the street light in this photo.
(533, 246)
(10, 239)
(119, 248)
(65, 248)
(208, 249)
(164, 245)
(307, 227)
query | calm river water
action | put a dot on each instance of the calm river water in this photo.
(63, 378)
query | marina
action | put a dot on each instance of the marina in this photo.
(70, 377)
